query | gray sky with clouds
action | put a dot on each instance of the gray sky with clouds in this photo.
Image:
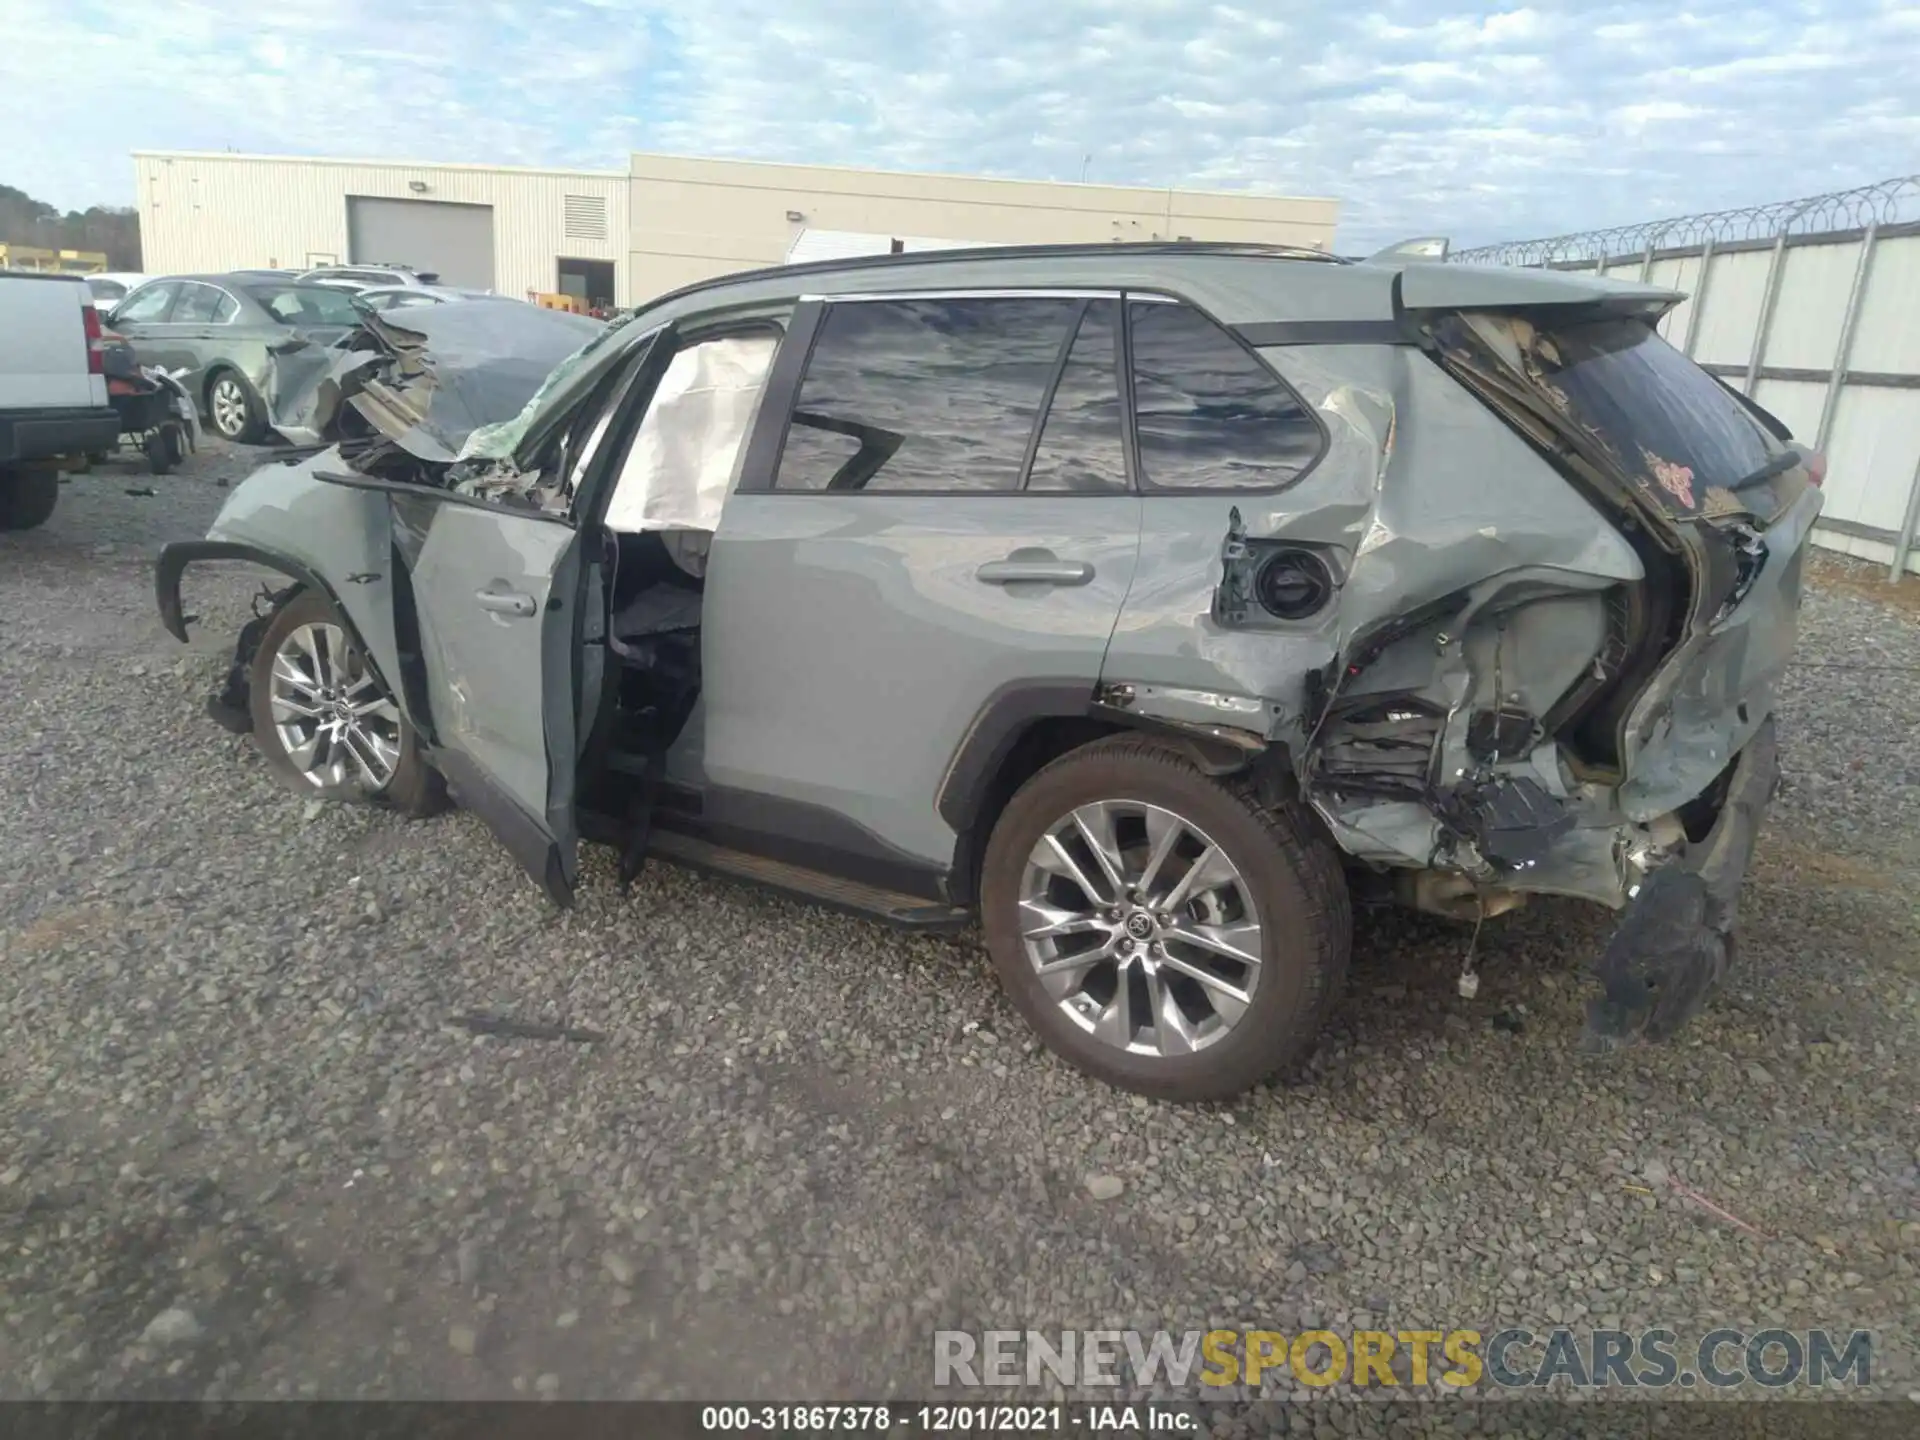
(1475, 120)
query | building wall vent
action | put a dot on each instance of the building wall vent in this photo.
(586, 217)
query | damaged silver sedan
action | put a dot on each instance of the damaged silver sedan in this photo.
(1140, 602)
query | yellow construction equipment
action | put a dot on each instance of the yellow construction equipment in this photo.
(553, 301)
(55, 262)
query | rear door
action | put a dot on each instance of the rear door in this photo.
(935, 515)
(199, 331)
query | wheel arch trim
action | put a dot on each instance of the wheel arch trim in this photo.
(1008, 715)
(1010, 712)
(175, 558)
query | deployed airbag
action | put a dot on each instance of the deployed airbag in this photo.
(681, 463)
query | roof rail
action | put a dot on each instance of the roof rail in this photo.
(913, 258)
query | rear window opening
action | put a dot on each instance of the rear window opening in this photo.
(1690, 444)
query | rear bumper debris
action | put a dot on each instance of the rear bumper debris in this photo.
(1675, 938)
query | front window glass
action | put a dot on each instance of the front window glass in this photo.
(148, 304)
(927, 396)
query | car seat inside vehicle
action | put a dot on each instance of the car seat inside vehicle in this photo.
(659, 520)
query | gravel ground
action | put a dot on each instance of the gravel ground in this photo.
(243, 1152)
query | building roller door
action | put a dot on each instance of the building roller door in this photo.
(452, 241)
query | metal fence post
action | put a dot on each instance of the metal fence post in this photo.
(1699, 296)
(1903, 546)
(1776, 263)
(1768, 298)
(1646, 264)
(1848, 324)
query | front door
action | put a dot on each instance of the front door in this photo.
(949, 520)
(495, 594)
(142, 318)
(484, 623)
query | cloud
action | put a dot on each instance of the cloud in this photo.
(1485, 121)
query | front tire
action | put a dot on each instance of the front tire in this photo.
(164, 450)
(27, 497)
(322, 721)
(233, 410)
(1159, 928)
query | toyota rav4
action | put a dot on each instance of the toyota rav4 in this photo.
(1138, 601)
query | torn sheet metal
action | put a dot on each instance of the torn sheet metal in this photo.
(427, 382)
(1675, 940)
(1479, 599)
(462, 365)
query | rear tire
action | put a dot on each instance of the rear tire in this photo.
(27, 497)
(1194, 1024)
(307, 661)
(233, 410)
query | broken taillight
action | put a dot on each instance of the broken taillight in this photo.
(96, 350)
(1816, 468)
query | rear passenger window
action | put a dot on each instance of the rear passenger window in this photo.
(1082, 444)
(1208, 414)
(197, 305)
(923, 395)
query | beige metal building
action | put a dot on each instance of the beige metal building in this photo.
(665, 221)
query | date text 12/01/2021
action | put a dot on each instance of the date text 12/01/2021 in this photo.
(964, 1419)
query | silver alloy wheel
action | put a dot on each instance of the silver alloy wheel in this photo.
(1140, 927)
(229, 405)
(329, 715)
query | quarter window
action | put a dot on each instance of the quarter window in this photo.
(1208, 414)
(927, 396)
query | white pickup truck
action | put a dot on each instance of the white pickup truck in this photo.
(53, 391)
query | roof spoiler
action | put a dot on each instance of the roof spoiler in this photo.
(1424, 247)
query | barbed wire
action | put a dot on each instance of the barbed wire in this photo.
(1885, 202)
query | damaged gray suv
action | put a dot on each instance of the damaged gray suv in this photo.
(1140, 601)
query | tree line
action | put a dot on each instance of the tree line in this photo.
(114, 229)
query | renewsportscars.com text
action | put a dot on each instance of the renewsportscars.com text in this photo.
(1510, 1358)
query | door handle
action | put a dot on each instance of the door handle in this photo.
(505, 602)
(1042, 568)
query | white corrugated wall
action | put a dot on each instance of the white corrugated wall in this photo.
(226, 212)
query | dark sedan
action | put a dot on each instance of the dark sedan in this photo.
(222, 332)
